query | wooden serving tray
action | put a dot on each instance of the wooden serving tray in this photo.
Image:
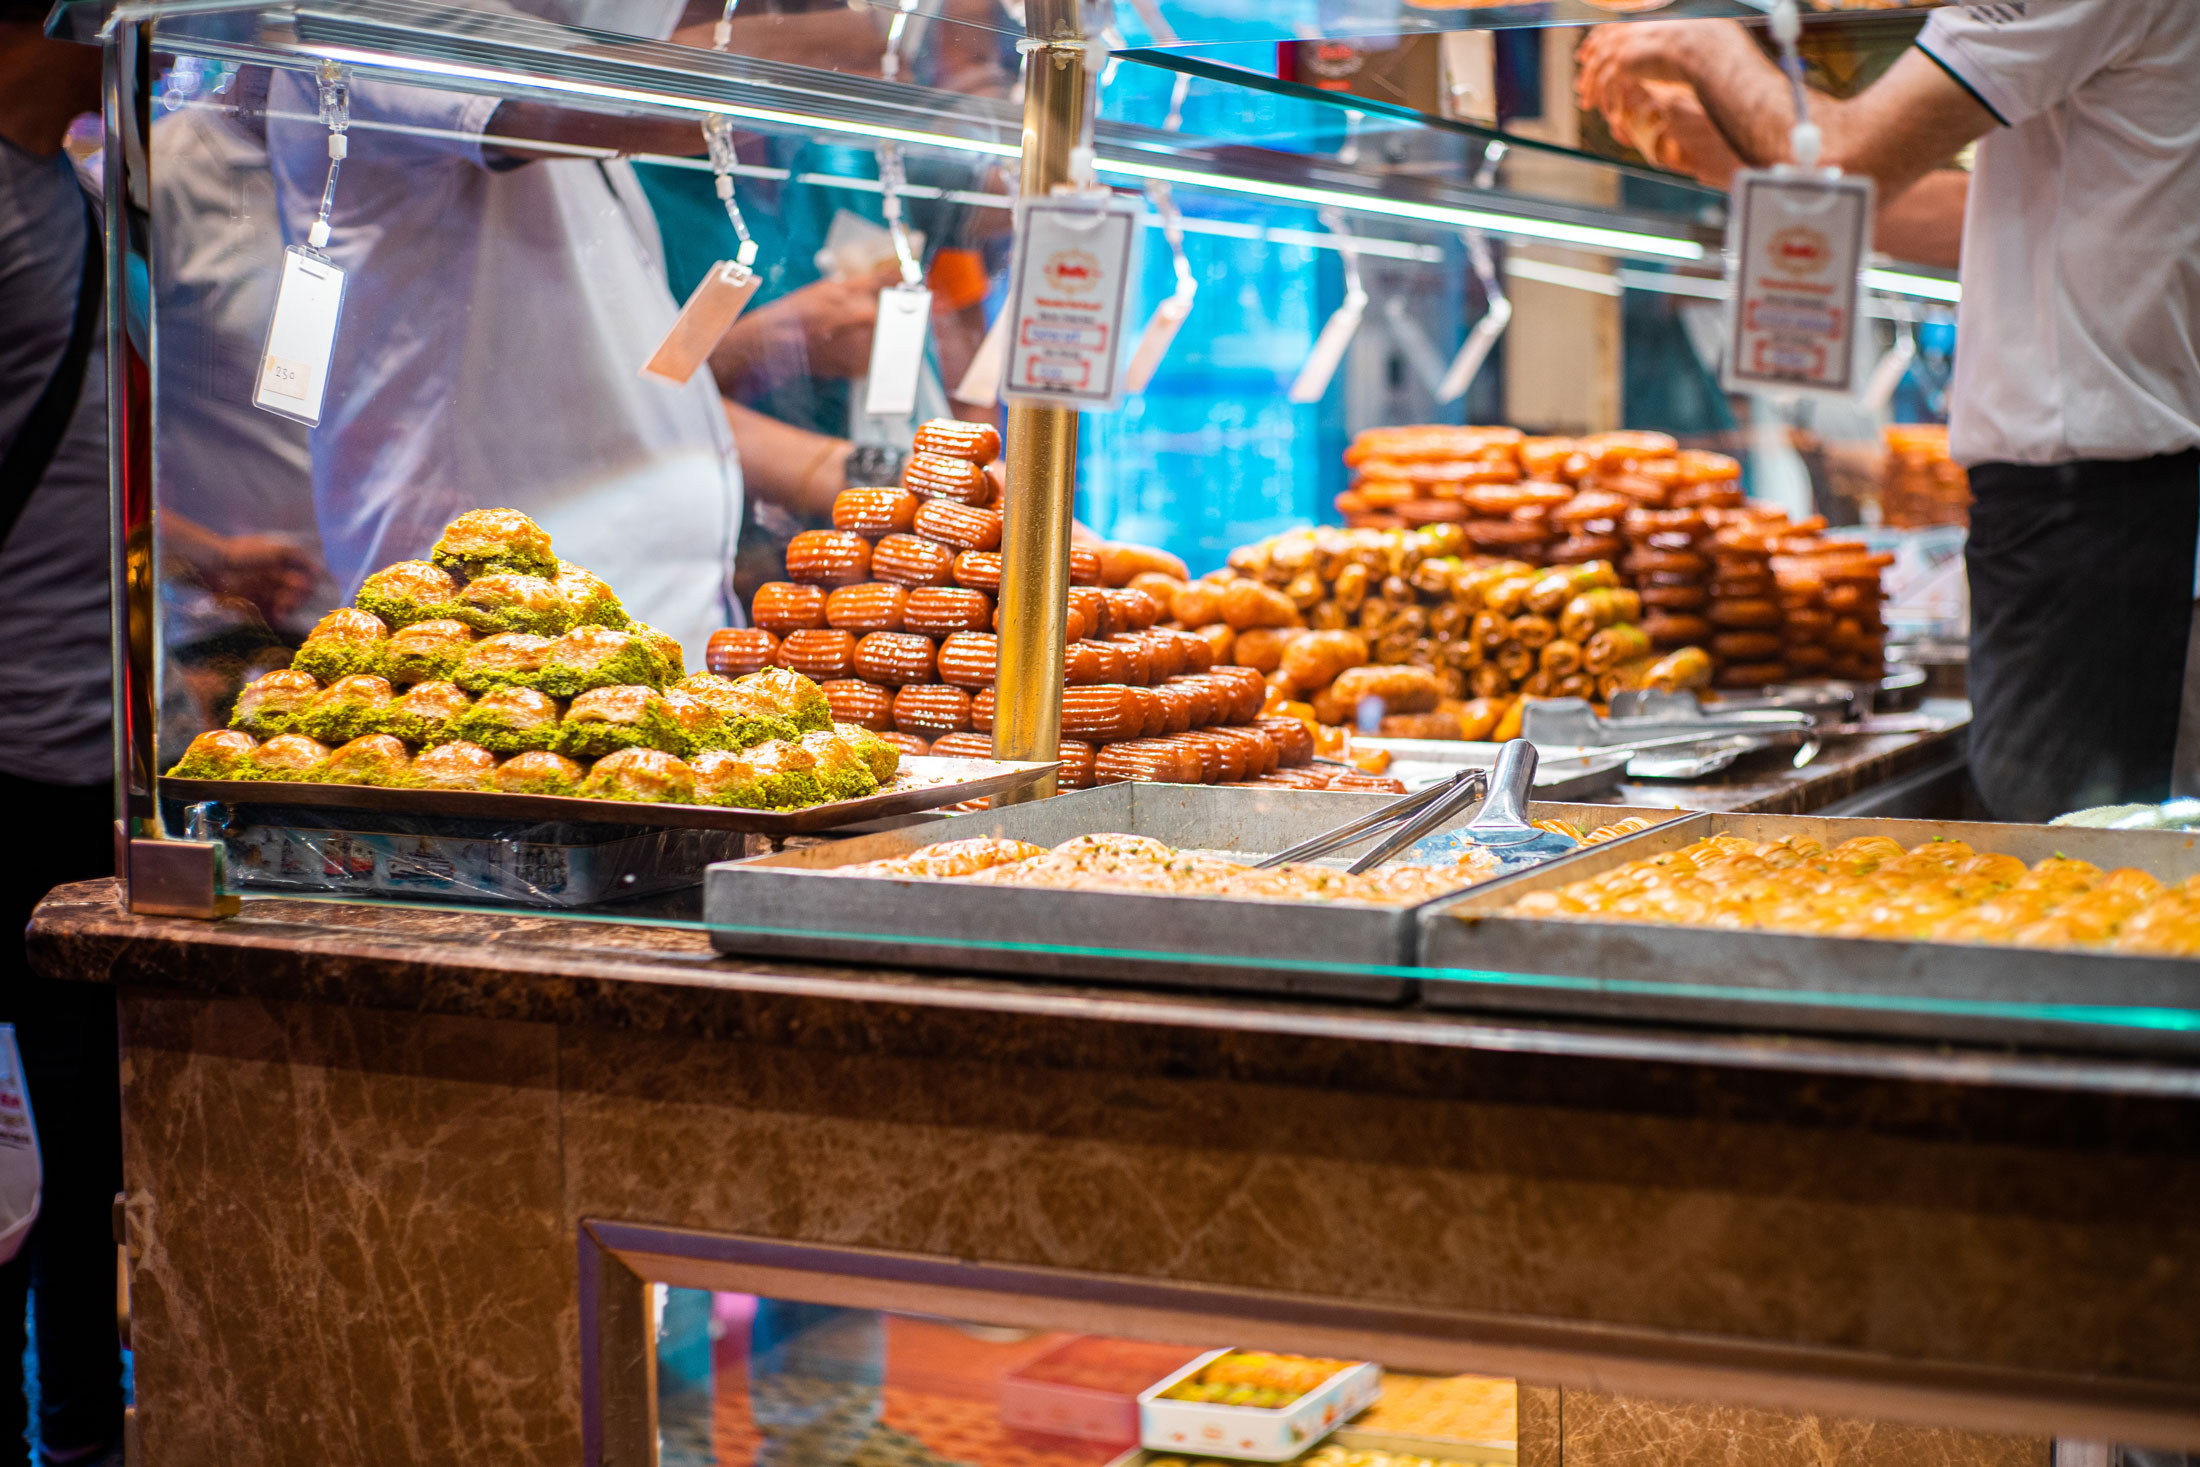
(922, 783)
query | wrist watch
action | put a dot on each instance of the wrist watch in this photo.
(875, 464)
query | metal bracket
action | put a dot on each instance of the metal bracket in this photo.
(180, 878)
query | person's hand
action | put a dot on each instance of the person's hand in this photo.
(1667, 124)
(821, 330)
(1615, 55)
(268, 571)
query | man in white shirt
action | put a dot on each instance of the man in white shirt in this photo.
(2076, 404)
(495, 317)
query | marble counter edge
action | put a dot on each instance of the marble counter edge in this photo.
(665, 979)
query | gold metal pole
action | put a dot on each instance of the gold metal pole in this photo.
(1041, 449)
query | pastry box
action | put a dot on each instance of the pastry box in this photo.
(1254, 1433)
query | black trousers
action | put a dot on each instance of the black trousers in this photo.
(2081, 606)
(66, 1032)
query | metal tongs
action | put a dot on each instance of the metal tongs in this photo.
(1408, 817)
(1501, 825)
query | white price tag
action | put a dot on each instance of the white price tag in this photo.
(897, 350)
(1168, 318)
(1312, 383)
(294, 363)
(719, 297)
(1797, 242)
(1074, 265)
(981, 383)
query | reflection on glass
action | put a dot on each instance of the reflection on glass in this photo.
(746, 1382)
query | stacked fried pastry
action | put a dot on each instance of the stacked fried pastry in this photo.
(494, 666)
(894, 610)
(1871, 887)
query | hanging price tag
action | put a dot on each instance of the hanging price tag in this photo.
(981, 383)
(1322, 362)
(1071, 279)
(1168, 318)
(717, 299)
(897, 350)
(294, 363)
(1797, 245)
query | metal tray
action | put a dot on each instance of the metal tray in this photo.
(1867, 985)
(922, 784)
(785, 906)
(1560, 773)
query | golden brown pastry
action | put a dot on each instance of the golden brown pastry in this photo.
(874, 511)
(780, 607)
(827, 558)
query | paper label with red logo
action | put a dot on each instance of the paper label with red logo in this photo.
(1075, 262)
(1796, 247)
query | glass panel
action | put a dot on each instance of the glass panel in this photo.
(746, 1381)
(511, 270)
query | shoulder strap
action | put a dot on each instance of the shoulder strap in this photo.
(32, 452)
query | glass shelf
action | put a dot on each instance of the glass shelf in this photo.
(1268, 142)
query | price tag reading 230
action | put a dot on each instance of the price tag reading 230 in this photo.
(1075, 264)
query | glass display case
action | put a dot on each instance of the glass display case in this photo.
(1420, 226)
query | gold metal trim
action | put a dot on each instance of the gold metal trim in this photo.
(1041, 449)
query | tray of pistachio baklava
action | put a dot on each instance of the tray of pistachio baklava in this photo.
(493, 679)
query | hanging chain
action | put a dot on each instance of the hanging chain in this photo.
(335, 115)
(718, 138)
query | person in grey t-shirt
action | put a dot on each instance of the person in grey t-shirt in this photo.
(55, 756)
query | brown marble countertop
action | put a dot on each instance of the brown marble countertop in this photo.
(660, 974)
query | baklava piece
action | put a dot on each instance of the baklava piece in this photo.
(486, 542)
(222, 753)
(344, 642)
(538, 772)
(508, 721)
(427, 651)
(509, 602)
(290, 756)
(605, 720)
(790, 695)
(591, 597)
(743, 717)
(422, 717)
(648, 775)
(506, 660)
(598, 657)
(349, 708)
(780, 775)
(454, 766)
(375, 759)
(271, 704)
(408, 592)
